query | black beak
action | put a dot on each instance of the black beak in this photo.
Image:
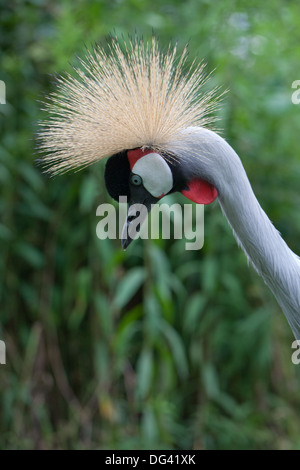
(140, 205)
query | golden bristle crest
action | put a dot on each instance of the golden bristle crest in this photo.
(129, 97)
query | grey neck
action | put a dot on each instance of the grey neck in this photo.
(207, 155)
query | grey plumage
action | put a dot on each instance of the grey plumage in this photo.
(214, 160)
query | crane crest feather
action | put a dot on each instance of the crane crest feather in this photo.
(123, 97)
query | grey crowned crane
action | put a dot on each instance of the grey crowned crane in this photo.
(137, 106)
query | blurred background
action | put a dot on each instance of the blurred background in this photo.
(156, 347)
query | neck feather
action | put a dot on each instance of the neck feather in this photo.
(216, 161)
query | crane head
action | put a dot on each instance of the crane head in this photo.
(144, 177)
(130, 103)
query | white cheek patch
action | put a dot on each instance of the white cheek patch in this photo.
(156, 174)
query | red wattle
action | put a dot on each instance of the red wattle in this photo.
(200, 191)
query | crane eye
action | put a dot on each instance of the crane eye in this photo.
(136, 180)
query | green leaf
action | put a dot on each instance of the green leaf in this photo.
(30, 254)
(104, 313)
(88, 192)
(149, 426)
(177, 348)
(123, 339)
(144, 372)
(210, 380)
(152, 310)
(194, 308)
(129, 286)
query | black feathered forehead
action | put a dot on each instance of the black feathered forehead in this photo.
(116, 175)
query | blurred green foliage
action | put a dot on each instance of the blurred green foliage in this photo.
(156, 347)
